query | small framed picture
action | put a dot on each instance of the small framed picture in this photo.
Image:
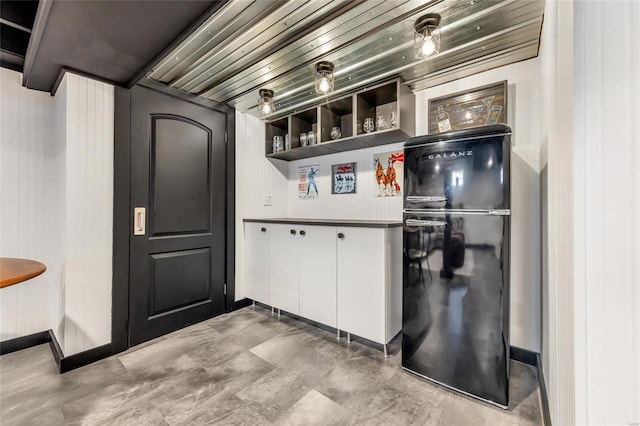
(344, 178)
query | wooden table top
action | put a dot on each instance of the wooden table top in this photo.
(14, 271)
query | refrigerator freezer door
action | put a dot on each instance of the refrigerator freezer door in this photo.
(458, 174)
(456, 301)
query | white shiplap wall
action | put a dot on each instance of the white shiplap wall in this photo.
(256, 176)
(29, 225)
(606, 177)
(364, 204)
(547, 57)
(59, 203)
(88, 213)
(556, 53)
(56, 159)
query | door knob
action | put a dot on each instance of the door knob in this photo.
(303, 233)
(263, 229)
(341, 235)
(293, 232)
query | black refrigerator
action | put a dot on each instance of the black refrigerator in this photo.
(456, 261)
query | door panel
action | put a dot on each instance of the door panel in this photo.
(470, 174)
(284, 273)
(361, 278)
(178, 279)
(318, 273)
(456, 301)
(178, 173)
(256, 261)
(180, 167)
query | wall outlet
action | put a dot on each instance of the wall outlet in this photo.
(267, 200)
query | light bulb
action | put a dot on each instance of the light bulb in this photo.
(266, 108)
(324, 85)
(428, 47)
(265, 102)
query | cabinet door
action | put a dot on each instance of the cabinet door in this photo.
(361, 278)
(318, 273)
(284, 268)
(256, 261)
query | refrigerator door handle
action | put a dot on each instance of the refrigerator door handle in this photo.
(500, 212)
(418, 222)
(424, 199)
(443, 212)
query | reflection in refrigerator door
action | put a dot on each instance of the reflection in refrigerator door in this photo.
(456, 261)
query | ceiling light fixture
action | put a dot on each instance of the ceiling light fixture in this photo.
(265, 104)
(324, 77)
(426, 39)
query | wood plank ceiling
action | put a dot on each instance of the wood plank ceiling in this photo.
(248, 45)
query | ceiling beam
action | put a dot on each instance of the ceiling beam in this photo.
(42, 14)
(14, 25)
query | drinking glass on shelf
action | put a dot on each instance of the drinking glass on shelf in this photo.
(287, 142)
(381, 124)
(393, 121)
(311, 136)
(277, 144)
(336, 133)
(368, 125)
(303, 139)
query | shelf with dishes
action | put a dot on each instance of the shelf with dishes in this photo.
(376, 115)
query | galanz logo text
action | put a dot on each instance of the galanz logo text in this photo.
(452, 154)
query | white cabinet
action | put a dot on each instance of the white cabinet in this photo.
(318, 273)
(256, 261)
(369, 282)
(303, 271)
(346, 277)
(284, 273)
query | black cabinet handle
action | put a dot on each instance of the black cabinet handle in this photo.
(263, 229)
(303, 233)
(341, 235)
(293, 232)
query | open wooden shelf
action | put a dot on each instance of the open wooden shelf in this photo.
(347, 113)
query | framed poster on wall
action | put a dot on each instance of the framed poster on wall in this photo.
(389, 173)
(471, 108)
(307, 187)
(344, 178)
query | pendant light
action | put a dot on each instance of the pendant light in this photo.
(265, 104)
(426, 39)
(324, 77)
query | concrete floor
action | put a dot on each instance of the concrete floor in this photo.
(246, 367)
